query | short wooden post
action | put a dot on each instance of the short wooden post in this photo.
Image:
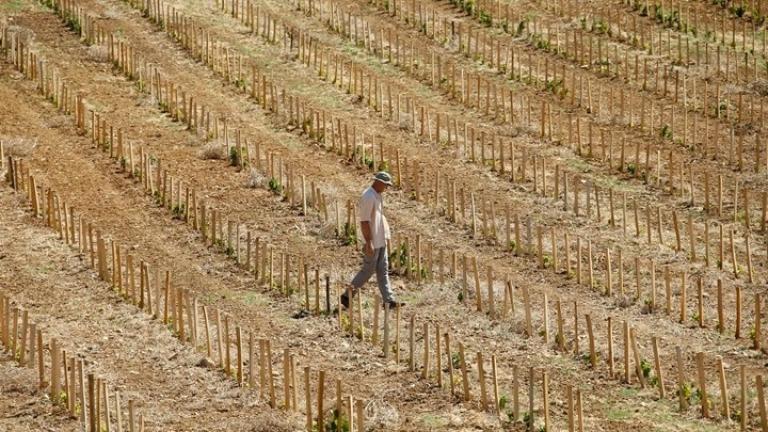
(239, 341)
(743, 397)
(411, 344)
(481, 379)
(761, 403)
(725, 408)
(657, 365)
(438, 356)
(92, 404)
(308, 396)
(756, 341)
(386, 332)
(118, 412)
(425, 369)
(531, 398)
(681, 379)
(55, 370)
(360, 416)
(590, 333)
(464, 374)
(545, 394)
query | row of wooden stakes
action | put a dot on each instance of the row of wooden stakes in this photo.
(624, 159)
(559, 86)
(130, 292)
(640, 118)
(181, 311)
(418, 273)
(502, 164)
(195, 219)
(175, 303)
(102, 262)
(624, 162)
(477, 282)
(81, 393)
(637, 38)
(97, 248)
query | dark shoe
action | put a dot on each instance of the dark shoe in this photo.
(393, 304)
(344, 300)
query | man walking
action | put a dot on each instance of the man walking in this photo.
(375, 230)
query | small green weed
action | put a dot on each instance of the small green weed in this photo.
(275, 186)
(337, 423)
(179, 210)
(666, 132)
(556, 87)
(503, 402)
(485, 18)
(600, 27)
(235, 156)
(645, 366)
(350, 234)
(632, 168)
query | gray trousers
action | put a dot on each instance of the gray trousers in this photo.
(377, 263)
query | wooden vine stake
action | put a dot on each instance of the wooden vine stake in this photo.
(761, 403)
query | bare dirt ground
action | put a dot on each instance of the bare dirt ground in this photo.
(140, 355)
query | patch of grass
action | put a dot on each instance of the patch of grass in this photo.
(368, 161)
(433, 421)
(737, 10)
(468, 6)
(527, 419)
(617, 414)
(12, 6)
(540, 43)
(349, 236)
(666, 132)
(337, 423)
(400, 256)
(632, 168)
(235, 156)
(520, 28)
(600, 27)
(645, 366)
(179, 210)
(556, 87)
(485, 18)
(687, 392)
(275, 186)
(722, 108)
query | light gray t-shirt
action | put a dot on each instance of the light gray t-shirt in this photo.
(371, 208)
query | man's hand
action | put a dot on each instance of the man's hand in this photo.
(368, 249)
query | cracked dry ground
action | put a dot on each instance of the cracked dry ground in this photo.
(56, 285)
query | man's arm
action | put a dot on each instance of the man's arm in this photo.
(365, 227)
(366, 210)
